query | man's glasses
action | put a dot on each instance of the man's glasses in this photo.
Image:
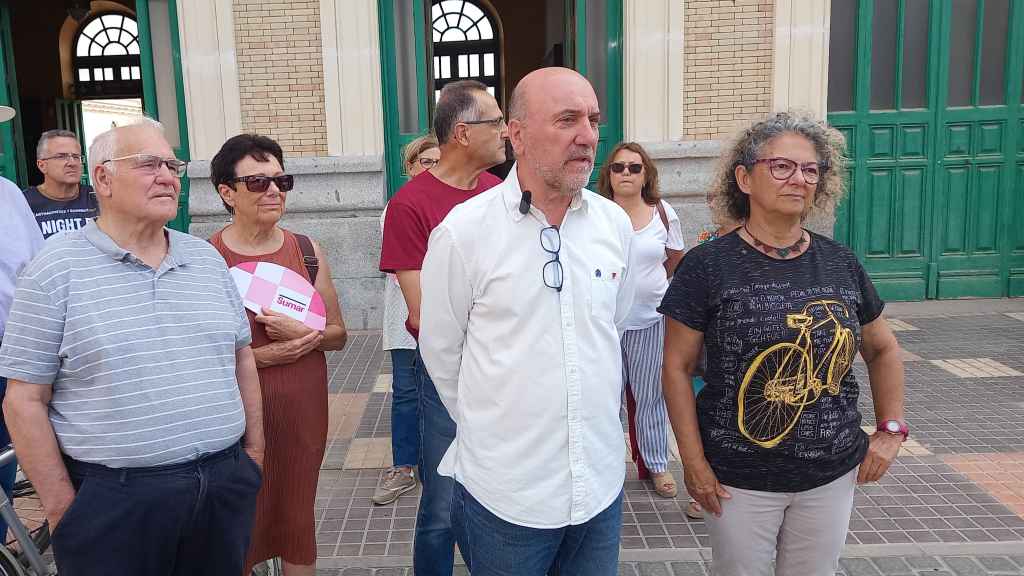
(783, 169)
(498, 122)
(260, 184)
(427, 163)
(65, 157)
(551, 242)
(634, 167)
(150, 164)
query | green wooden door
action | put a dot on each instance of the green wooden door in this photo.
(159, 43)
(928, 95)
(11, 153)
(594, 30)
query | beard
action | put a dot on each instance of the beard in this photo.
(560, 178)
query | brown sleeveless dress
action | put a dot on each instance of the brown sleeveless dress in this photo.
(295, 428)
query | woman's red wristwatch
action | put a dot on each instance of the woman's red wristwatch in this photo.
(894, 427)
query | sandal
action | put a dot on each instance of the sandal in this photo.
(664, 484)
(694, 511)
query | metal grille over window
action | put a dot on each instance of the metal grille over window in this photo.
(107, 62)
(467, 45)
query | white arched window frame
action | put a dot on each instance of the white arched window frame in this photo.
(466, 45)
(107, 58)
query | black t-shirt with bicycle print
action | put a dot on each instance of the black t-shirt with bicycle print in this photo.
(779, 409)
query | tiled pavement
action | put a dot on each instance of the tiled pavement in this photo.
(952, 504)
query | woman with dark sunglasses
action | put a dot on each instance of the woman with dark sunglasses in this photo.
(630, 179)
(248, 173)
(773, 447)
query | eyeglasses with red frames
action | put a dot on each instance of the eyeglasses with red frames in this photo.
(260, 184)
(784, 168)
(619, 167)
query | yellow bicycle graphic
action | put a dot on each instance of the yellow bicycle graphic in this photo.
(785, 378)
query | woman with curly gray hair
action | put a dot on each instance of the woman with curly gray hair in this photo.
(773, 447)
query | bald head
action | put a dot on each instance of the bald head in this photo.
(545, 81)
(554, 130)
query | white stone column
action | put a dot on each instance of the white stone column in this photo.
(210, 74)
(652, 70)
(352, 84)
(800, 78)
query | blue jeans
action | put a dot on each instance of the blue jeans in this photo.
(7, 473)
(405, 426)
(493, 547)
(434, 546)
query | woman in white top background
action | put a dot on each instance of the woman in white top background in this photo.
(630, 179)
(419, 155)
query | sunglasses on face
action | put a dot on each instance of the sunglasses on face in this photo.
(150, 164)
(634, 167)
(784, 168)
(260, 184)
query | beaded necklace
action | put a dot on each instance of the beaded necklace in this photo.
(795, 248)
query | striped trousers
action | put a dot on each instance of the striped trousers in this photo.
(641, 371)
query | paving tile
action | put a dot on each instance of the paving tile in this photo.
(897, 325)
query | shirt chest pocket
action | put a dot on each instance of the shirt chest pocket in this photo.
(603, 292)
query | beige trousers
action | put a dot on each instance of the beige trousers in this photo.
(803, 531)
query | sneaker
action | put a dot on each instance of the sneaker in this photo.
(397, 481)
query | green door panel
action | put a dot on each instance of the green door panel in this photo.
(11, 148)
(933, 191)
(594, 28)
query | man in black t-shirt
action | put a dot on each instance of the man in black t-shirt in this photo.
(60, 203)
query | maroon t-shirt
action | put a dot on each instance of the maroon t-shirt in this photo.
(413, 213)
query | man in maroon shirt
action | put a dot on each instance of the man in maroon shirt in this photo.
(471, 131)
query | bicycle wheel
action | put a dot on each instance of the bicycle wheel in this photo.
(773, 394)
(9, 565)
(842, 360)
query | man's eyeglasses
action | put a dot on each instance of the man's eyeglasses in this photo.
(551, 242)
(150, 164)
(783, 169)
(498, 122)
(260, 184)
(427, 163)
(619, 167)
(66, 157)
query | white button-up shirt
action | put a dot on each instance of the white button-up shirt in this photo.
(531, 376)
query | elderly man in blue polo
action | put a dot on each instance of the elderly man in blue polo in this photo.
(133, 398)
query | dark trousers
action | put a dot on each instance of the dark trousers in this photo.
(182, 519)
(7, 473)
(493, 547)
(434, 544)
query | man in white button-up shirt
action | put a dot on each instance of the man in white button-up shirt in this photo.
(522, 293)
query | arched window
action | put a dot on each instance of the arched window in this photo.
(106, 61)
(466, 45)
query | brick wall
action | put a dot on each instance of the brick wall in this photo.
(727, 70)
(280, 72)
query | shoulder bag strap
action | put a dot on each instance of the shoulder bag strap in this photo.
(309, 258)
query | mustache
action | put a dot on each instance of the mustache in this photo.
(582, 153)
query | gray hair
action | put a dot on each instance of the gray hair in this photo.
(457, 103)
(728, 202)
(45, 137)
(104, 146)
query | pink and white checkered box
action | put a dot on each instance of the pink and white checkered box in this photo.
(268, 285)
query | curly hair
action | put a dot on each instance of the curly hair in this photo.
(729, 203)
(650, 191)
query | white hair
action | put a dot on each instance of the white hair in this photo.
(104, 146)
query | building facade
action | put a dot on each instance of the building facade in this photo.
(928, 94)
